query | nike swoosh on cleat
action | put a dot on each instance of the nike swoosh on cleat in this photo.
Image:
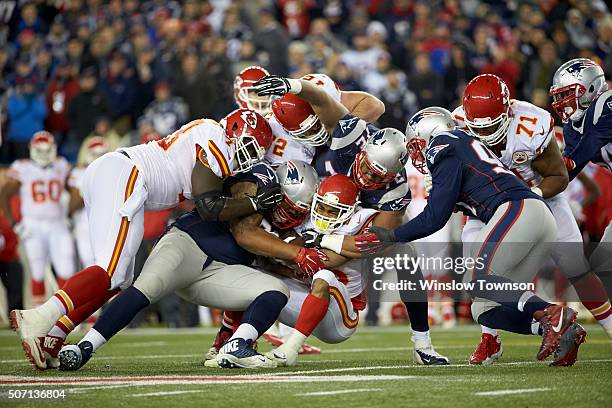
(557, 328)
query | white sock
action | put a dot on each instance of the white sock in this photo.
(535, 327)
(95, 338)
(488, 330)
(52, 309)
(57, 332)
(419, 335)
(295, 341)
(245, 331)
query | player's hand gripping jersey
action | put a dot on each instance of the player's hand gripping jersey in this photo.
(166, 165)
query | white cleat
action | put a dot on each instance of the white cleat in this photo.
(425, 354)
(283, 356)
(29, 325)
(239, 353)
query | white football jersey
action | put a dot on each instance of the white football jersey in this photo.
(166, 165)
(529, 133)
(352, 274)
(285, 147)
(75, 180)
(41, 188)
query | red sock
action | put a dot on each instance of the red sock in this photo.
(61, 282)
(232, 319)
(68, 322)
(593, 296)
(38, 288)
(312, 312)
(90, 283)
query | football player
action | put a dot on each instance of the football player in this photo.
(191, 163)
(520, 135)
(467, 175)
(582, 100)
(226, 281)
(40, 182)
(374, 158)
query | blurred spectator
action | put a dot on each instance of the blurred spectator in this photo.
(296, 16)
(541, 70)
(120, 88)
(26, 111)
(30, 20)
(344, 78)
(376, 79)
(426, 84)
(580, 35)
(459, 72)
(104, 130)
(272, 40)
(62, 88)
(400, 102)
(167, 112)
(362, 58)
(297, 56)
(604, 38)
(87, 106)
(504, 67)
(194, 86)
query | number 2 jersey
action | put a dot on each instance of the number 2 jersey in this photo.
(529, 133)
(467, 175)
(166, 165)
(590, 138)
(41, 188)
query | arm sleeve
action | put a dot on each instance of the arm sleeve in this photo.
(446, 175)
(590, 144)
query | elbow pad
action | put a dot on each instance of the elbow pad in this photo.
(210, 205)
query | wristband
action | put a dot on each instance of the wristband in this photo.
(332, 242)
(538, 191)
(295, 86)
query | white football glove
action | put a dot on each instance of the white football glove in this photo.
(21, 231)
(428, 182)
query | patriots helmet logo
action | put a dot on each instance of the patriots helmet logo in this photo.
(347, 124)
(432, 152)
(419, 116)
(577, 67)
(378, 139)
(293, 175)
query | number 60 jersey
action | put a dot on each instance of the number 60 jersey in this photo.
(530, 131)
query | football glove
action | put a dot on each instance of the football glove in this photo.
(374, 240)
(310, 261)
(277, 86)
(312, 239)
(267, 197)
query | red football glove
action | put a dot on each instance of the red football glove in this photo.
(569, 163)
(310, 261)
(374, 240)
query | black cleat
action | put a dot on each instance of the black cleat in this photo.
(73, 357)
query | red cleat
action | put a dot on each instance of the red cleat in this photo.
(276, 341)
(554, 321)
(566, 353)
(51, 346)
(488, 351)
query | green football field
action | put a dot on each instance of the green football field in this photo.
(161, 368)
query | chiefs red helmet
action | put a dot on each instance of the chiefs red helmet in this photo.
(95, 147)
(486, 102)
(43, 149)
(251, 135)
(334, 203)
(244, 94)
(297, 117)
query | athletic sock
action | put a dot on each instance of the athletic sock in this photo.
(420, 335)
(312, 312)
(506, 318)
(415, 300)
(245, 331)
(529, 303)
(295, 341)
(120, 312)
(95, 338)
(264, 310)
(488, 330)
(594, 297)
(232, 319)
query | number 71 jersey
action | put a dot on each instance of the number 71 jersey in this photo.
(41, 188)
(529, 133)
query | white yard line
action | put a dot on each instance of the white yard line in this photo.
(509, 392)
(323, 393)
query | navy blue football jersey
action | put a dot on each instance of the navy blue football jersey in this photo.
(590, 139)
(214, 238)
(467, 175)
(348, 138)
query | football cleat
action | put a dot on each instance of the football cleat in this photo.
(554, 321)
(488, 351)
(223, 335)
(283, 356)
(276, 341)
(73, 357)
(239, 353)
(30, 325)
(425, 354)
(51, 346)
(567, 351)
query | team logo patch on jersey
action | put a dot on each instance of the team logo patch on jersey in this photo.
(433, 152)
(348, 124)
(263, 177)
(520, 157)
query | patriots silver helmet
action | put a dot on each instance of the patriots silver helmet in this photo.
(383, 156)
(421, 127)
(299, 182)
(575, 86)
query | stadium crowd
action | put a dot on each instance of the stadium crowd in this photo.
(127, 70)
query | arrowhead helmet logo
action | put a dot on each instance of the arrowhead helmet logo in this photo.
(249, 118)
